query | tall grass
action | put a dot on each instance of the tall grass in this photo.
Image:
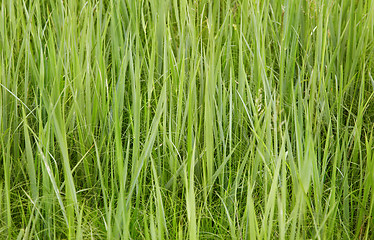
(185, 119)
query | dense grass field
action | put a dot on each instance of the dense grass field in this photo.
(186, 119)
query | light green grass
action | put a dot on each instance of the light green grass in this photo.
(181, 119)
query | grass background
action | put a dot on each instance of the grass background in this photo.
(176, 119)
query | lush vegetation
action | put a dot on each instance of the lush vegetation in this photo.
(176, 119)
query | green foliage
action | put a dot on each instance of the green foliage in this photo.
(181, 119)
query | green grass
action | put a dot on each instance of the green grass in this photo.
(181, 119)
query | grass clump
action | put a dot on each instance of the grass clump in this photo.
(185, 119)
